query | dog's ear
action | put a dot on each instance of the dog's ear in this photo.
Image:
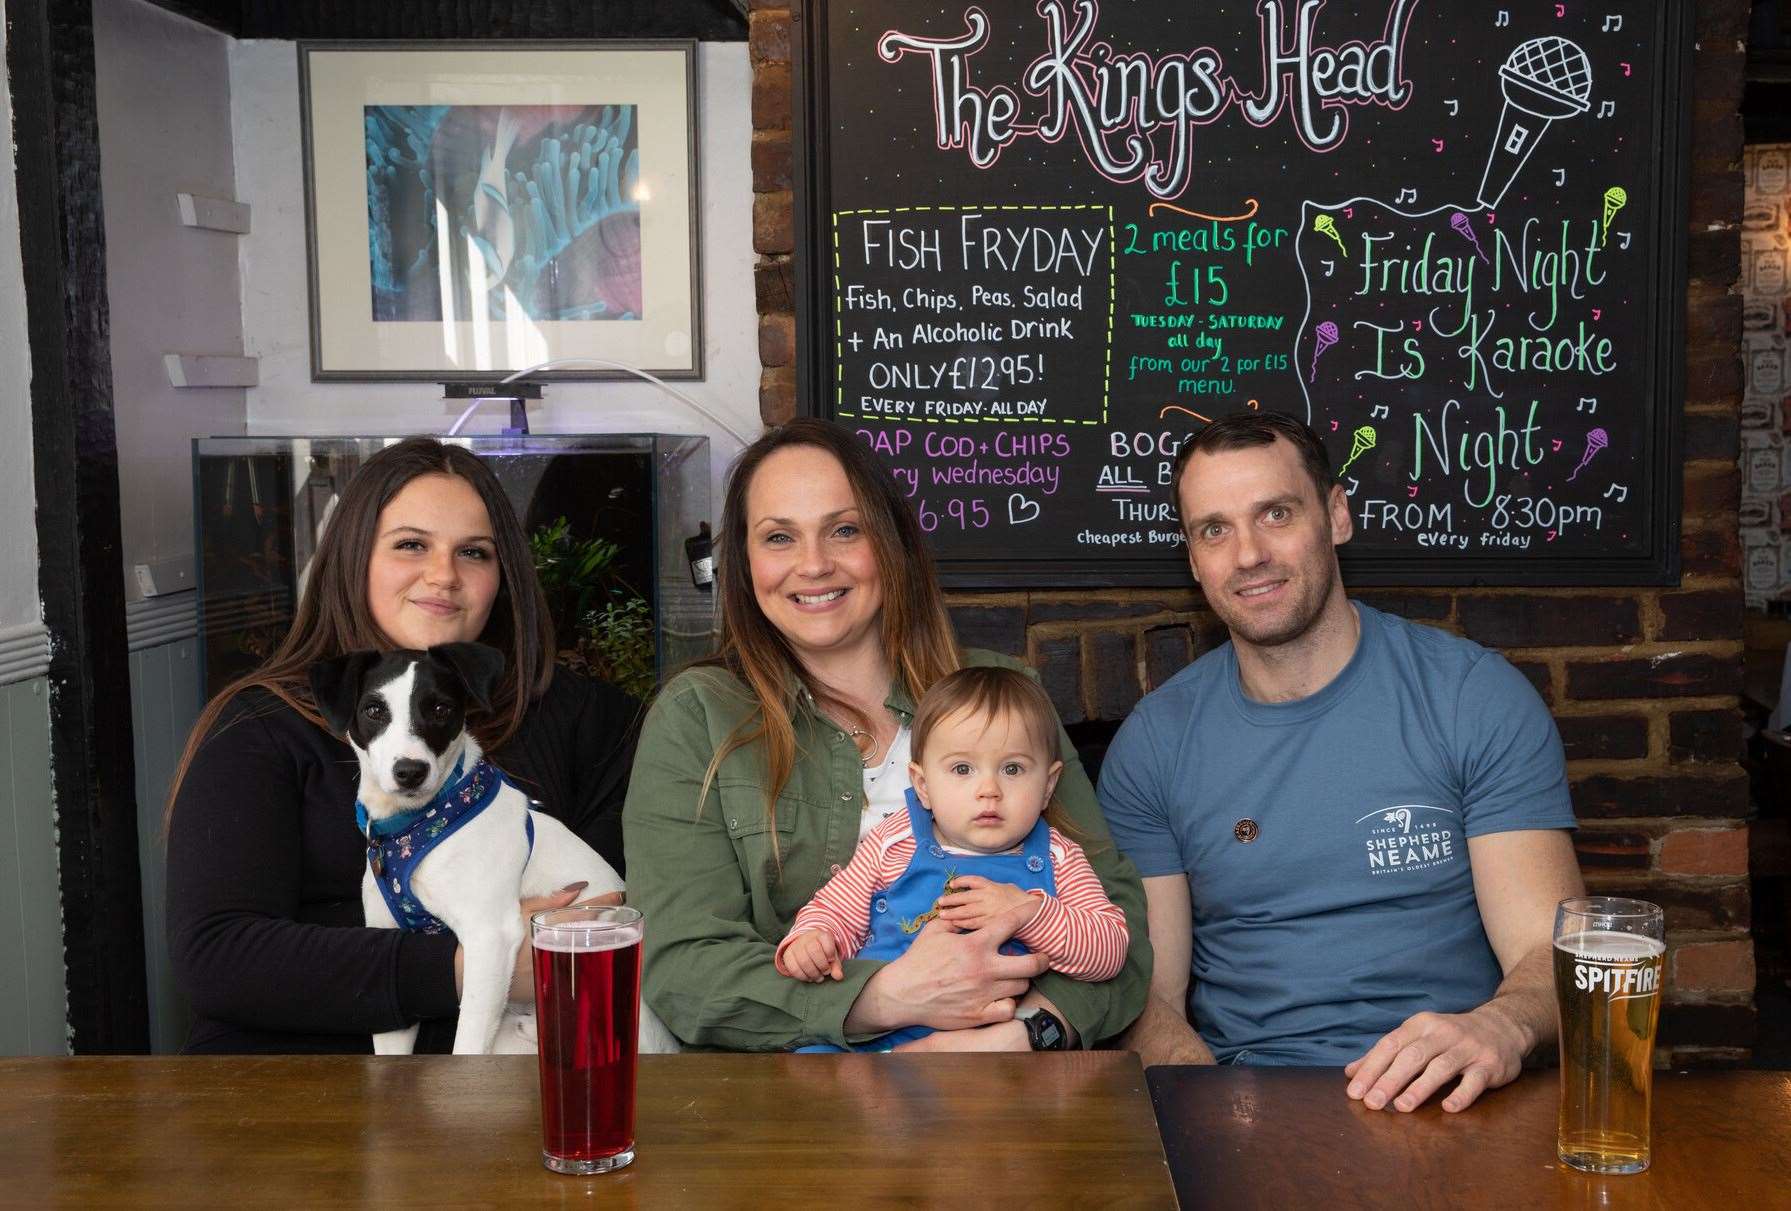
(336, 684)
(478, 665)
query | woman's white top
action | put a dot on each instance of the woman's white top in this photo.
(886, 785)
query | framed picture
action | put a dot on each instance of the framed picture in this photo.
(477, 208)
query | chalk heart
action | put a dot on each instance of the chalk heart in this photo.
(1021, 510)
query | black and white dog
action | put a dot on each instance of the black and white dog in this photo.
(450, 843)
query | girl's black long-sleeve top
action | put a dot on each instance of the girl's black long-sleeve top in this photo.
(265, 865)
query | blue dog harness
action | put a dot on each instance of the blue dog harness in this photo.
(899, 911)
(396, 844)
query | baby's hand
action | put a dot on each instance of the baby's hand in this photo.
(812, 956)
(974, 901)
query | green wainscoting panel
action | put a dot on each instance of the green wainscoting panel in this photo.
(33, 995)
(164, 702)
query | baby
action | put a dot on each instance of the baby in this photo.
(977, 840)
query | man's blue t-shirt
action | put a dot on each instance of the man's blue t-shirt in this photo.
(1325, 840)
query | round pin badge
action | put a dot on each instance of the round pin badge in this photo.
(1245, 830)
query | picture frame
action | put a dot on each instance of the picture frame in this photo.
(473, 209)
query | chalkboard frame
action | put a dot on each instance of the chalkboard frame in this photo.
(811, 135)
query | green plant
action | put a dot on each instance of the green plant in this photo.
(621, 640)
(604, 624)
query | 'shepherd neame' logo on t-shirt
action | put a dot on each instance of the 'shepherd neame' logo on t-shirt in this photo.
(1410, 836)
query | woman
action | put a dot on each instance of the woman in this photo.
(264, 858)
(759, 770)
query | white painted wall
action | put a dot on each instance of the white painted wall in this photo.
(18, 502)
(265, 108)
(164, 122)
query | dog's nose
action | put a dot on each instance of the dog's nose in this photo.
(409, 773)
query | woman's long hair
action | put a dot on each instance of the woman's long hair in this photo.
(916, 630)
(334, 617)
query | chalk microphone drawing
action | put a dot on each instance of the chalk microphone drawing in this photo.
(1544, 79)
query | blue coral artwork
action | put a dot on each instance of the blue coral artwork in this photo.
(515, 212)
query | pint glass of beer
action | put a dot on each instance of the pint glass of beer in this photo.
(587, 1010)
(1608, 959)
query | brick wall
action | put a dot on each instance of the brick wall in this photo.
(1643, 683)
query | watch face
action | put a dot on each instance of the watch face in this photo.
(1045, 1031)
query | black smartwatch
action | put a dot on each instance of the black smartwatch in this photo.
(1043, 1030)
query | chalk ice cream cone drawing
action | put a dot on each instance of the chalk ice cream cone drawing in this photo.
(1596, 440)
(1615, 199)
(1463, 226)
(1324, 224)
(1323, 337)
(1361, 442)
(1544, 79)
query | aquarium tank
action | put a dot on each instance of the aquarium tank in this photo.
(613, 520)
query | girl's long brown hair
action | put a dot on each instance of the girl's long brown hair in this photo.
(333, 616)
(916, 630)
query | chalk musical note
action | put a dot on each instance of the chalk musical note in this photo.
(1333, 426)
(1551, 535)
(1556, 443)
(1588, 403)
(1021, 510)
(1597, 314)
(1406, 195)
(1353, 485)
(1349, 212)
(1438, 144)
(1625, 67)
(1560, 11)
(1503, 19)
(1378, 412)
(1417, 325)
(1623, 240)
(1607, 109)
(1560, 177)
(1613, 23)
(1330, 267)
(1620, 490)
(1491, 217)
(1411, 489)
(1454, 106)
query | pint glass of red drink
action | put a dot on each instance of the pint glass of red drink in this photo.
(587, 1006)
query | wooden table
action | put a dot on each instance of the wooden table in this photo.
(1288, 1137)
(712, 1131)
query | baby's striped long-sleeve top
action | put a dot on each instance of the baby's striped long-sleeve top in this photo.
(1079, 930)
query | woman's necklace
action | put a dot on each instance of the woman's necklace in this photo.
(869, 751)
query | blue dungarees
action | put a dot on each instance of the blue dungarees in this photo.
(917, 888)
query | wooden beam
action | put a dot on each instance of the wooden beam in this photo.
(62, 239)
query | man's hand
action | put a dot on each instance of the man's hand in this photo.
(812, 955)
(973, 901)
(1484, 1047)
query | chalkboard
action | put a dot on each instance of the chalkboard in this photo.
(1044, 241)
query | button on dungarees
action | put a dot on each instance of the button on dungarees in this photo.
(900, 911)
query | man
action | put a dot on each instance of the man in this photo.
(1351, 827)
